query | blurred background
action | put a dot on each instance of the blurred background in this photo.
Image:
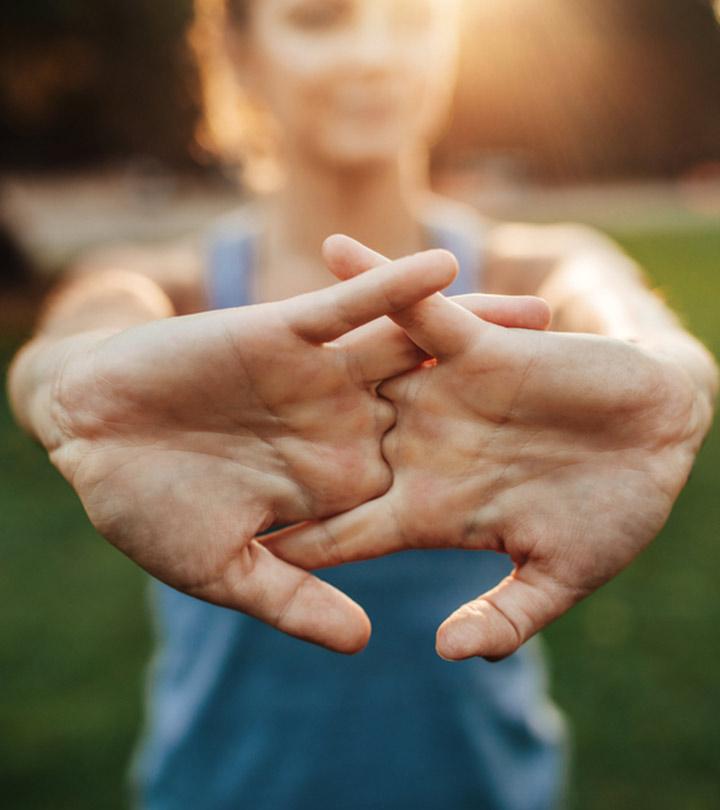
(600, 111)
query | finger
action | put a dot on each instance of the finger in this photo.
(382, 349)
(438, 326)
(364, 533)
(347, 258)
(496, 624)
(327, 314)
(511, 311)
(290, 599)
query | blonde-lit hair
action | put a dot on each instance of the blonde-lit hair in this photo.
(232, 126)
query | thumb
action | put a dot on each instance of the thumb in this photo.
(500, 621)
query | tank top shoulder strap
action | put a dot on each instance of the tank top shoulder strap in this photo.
(231, 253)
(231, 250)
(466, 240)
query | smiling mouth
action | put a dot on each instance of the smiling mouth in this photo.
(371, 107)
(365, 102)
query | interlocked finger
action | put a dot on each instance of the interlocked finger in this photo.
(325, 315)
(436, 324)
(290, 599)
(361, 534)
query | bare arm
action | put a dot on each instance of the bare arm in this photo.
(185, 437)
(158, 423)
(106, 291)
(565, 451)
(177, 268)
(80, 311)
(592, 286)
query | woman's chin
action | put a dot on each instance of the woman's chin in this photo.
(365, 155)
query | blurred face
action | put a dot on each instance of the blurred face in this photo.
(353, 82)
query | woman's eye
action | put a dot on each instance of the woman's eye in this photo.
(320, 15)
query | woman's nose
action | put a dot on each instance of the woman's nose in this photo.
(375, 43)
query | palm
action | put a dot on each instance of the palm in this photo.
(186, 437)
(203, 435)
(564, 451)
(512, 463)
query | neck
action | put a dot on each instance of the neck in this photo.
(375, 205)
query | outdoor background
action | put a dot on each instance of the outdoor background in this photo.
(603, 111)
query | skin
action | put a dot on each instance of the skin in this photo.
(186, 437)
(564, 451)
(125, 413)
(349, 82)
(357, 91)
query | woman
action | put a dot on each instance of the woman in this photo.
(357, 90)
(350, 93)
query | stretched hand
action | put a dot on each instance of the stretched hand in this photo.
(564, 451)
(187, 437)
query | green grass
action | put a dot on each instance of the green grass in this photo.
(73, 639)
(637, 667)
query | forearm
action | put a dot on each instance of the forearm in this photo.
(604, 292)
(81, 312)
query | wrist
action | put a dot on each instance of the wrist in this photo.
(35, 383)
(692, 368)
(82, 312)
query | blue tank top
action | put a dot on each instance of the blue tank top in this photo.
(241, 716)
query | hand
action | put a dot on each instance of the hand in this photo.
(564, 451)
(186, 437)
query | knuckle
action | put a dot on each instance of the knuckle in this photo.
(391, 445)
(332, 550)
(385, 415)
(284, 618)
(379, 479)
(393, 390)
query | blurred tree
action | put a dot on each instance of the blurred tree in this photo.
(81, 81)
(15, 268)
(589, 88)
(576, 88)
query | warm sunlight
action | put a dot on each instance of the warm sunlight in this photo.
(547, 58)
